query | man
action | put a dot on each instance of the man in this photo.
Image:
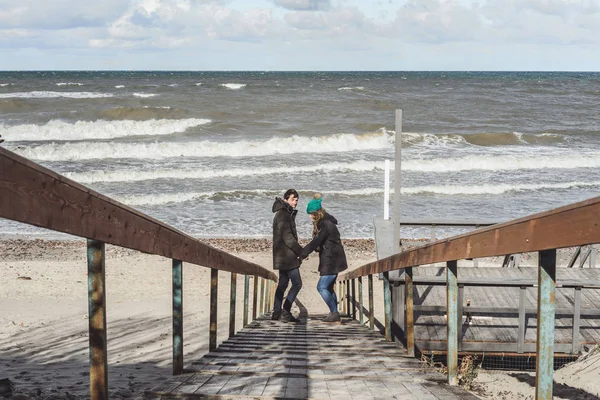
(1, 140)
(286, 252)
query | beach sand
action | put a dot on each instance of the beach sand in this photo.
(44, 325)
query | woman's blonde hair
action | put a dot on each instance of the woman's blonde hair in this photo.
(319, 215)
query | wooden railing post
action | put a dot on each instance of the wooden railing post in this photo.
(353, 303)
(97, 320)
(360, 300)
(261, 306)
(254, 297)
(371, 306)
(177, 317)
(246, 298)
(452, 321)
(522, 319)
(546, 310)
(410, 314)
(387, 299)
(214, 285)
(232, 301)
(344, 299)
(576, 319)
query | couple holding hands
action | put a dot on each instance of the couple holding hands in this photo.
(288, 254)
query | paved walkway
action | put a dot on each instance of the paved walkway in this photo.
(312, 360)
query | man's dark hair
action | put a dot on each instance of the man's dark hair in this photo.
(290, 192)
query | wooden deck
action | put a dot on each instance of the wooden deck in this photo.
(500, 332)
(313, 360)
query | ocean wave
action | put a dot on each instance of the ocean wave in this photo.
(494, 188)
(199, 84)
(228, 195)
(451, 190)
(5, 84)
(84, 130)
(53, 95)
(245, 148)
(128, 175)
(119, 86)
(69, 84)
(141, 113)
(352, 88)
(506, 162)
(14, 105)
(144, 95)
(233, 86)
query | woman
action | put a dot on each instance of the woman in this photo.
(332, 258)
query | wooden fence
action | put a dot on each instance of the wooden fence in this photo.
(570, 226)
(32, 194)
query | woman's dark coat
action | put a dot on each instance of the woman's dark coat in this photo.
(286, 249)
(332, 258)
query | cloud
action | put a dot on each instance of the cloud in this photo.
(304, 5)
(58, 14)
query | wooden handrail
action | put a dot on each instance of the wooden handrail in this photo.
(35, 195)
(576, 224)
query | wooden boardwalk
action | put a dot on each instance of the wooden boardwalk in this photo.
(312, 360)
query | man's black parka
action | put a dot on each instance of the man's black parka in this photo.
(286, 249)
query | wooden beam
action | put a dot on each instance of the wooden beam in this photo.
(37, 196)
(569, 226)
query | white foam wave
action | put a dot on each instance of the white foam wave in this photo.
(199, 84)
(504, 163)
(166, 198)
(233, 86)
(494, 188)
(352, 88)
(53, 95)
(128, 175)
(145, 95)
(5, 84)
(69, 84)
(119, 86)
(245, 148)
(83, 130)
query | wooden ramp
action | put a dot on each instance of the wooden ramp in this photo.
(312, 360)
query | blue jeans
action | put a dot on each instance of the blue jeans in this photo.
(284, 278)
(325, 286)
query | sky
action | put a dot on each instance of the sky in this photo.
(292, 35)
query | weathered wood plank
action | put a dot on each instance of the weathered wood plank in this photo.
(573, 225)
(37, 196)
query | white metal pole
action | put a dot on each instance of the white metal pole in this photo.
(386, 192)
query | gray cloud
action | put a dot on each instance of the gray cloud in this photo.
(304, 5)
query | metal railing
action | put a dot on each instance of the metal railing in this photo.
(569, 226)
(35, 195)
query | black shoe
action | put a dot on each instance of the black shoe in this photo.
(287, 316)
(276, 315)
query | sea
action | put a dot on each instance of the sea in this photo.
(208, 152)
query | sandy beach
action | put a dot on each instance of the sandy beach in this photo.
(44, 326)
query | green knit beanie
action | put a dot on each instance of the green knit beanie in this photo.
(314, 204)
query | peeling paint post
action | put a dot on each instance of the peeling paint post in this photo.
(410, 316)
(246, 298)
(232, 300)
(97, 320)
(371, 307)
(452, 321)
(545, 325)
(177, 317)
(387, 299)
(214, 286)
